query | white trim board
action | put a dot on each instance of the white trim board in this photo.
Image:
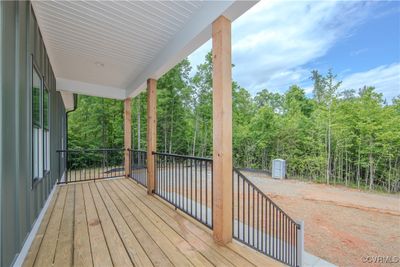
(90, 89)
(68, 100)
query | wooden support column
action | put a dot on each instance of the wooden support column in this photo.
(151, 132)
(222, 130)
(127, 134)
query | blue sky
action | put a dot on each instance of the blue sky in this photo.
(277, 43)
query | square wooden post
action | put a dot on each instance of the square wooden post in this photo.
(151, 132)
(222, 130)
(127, 134)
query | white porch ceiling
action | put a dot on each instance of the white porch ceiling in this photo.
(110, 48)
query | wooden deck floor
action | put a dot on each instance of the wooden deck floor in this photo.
(115, 223)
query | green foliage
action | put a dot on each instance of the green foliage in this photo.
(174, 100)
(97, 123)
(336, 136)
(36, 106)
(46, 109)
(36, 98)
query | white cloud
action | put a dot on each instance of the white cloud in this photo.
(386, 80)
(284, 79)
(275, 39)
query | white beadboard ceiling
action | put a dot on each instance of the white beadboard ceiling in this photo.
(110, 48)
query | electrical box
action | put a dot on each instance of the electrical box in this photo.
(279, 169)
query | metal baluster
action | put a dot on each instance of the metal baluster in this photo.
(244, 210)
(270, 228)
(238, 207)
(263, 232)
(170, 196)
(191, 186)
(195, 175)
(187, 186)
(201, 190)
(248, 213)
(258, 220)
(233, 204)
(252, 197)
(180, 183)
(176, 184)
(212, 192)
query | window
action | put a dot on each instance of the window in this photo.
(40, 127)
(46, 138)
(37, 135)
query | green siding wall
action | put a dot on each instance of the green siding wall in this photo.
(20, 201)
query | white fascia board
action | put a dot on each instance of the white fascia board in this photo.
(68, 100)
(91, 89)
(196, 33)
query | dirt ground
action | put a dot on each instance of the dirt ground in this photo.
(343, 226)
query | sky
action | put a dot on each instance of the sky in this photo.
(276, 44)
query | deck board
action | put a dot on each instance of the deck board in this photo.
(237, 254)
(118, 252)
(210, 251)
(137, 254)
(46, 253)
(64, 250)
(156, 255)
(98, 245)
(30, 260)
(115, 223)
(171, 251)
(189, 249)
(83, 254)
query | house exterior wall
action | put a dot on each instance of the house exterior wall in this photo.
(20, 200)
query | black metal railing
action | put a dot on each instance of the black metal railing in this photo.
(260, 224)
(138, 166)
(91, 164)
(186, 183)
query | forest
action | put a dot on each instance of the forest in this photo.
(347, 136)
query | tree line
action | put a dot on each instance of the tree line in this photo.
(337, 136)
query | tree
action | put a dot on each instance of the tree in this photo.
(202, 108)
(338, 135)
(325, 89)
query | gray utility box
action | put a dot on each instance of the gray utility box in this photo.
(278, 169)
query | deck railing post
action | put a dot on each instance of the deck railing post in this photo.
(130, 163)
(66, 167)
(222, 130)
(59, 166)
(300, 243)
(127, 134)
(151, 132)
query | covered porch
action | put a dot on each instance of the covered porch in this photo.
(115, 223)
(119, 49)
(105, 222)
